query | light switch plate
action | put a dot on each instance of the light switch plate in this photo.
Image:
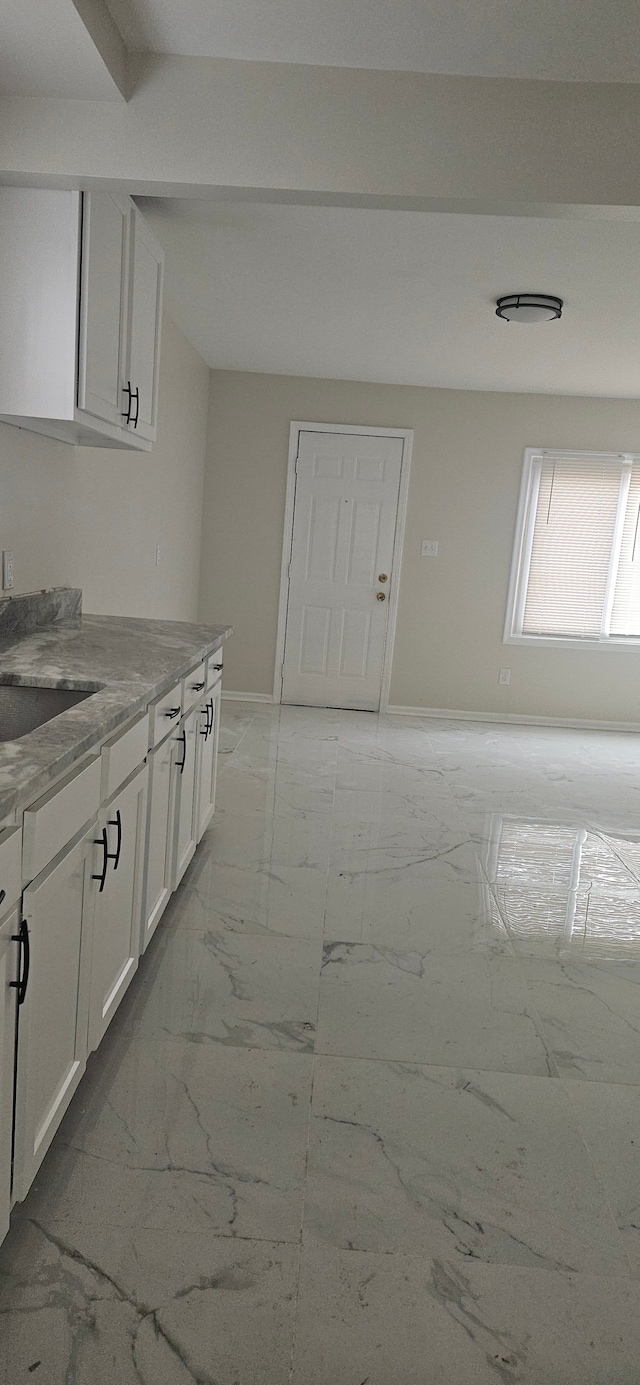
(7, 570)
(429, 548)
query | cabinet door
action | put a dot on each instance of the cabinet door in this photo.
(103, 305)
(157, 886)
(52, 1027)
(118, 862)
(186, 787)
(145, 313)
(209, 737)
(8, 1001)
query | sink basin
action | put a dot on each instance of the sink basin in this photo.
(22, 709)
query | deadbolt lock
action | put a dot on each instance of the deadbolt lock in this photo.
(382, 577)
(382, 596)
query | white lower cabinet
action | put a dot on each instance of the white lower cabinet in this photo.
(185, 766)
(69, 953)
(52, 1031)
(117, 882)
(160, 820)
(208, 759)
(9, 965)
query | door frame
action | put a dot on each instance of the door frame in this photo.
(360, 430)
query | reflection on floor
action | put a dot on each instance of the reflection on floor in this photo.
(370, 1111)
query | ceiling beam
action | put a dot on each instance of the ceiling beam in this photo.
(108, 40)
(200, 127)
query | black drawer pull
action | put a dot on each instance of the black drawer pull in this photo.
(218, 668)
(116, 822)
(102, 841)
(209, 716)
(173, 712)
(126, 389)
(197, 687)
(25, 960)
(2, 896)
(183, 737)
(137, 395)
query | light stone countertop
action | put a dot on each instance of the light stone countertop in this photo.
(128, 661)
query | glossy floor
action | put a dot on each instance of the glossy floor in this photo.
(370, 1111)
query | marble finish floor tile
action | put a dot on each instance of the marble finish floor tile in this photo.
(462, 1010)
(176, 1136)
(590, 1016)
(455, 1163)
(92, 1307)
(366, 1319)
(226, 988)
(439, 1187)
(445, 915)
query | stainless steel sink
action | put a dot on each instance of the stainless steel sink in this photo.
(22, 709)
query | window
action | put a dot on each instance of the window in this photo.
(576, 568)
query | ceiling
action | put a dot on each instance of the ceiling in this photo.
(563, 40)
(403, 297)
(46, 50)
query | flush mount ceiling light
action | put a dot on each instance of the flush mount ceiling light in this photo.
(529, 307)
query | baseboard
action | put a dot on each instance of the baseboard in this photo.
(514, 718)
(247, 697)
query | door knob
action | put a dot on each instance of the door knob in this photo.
(382, 576)
(382, 596)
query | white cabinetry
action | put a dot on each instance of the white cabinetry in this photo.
(145, 312)
(8, 1003)
(52, 1030)
(159, 836)
(103, 305)
(208, 759)
(185, 789)
(81, 278)
(117, 876)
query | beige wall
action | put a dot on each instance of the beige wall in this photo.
(91, 517)
(467, 462)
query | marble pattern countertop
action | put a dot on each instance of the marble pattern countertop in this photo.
(125, 661)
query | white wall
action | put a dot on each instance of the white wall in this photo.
(91, 517)
(467, 463)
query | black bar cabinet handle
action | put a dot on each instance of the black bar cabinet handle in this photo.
(102, 841)
(173, 712)
(25, 961)
(137, 394)
(209, 717)
(205, 733)
(126, 389)
(197, 687)
(183, 737)
(2, 896)
(116, 822)
(218, 668)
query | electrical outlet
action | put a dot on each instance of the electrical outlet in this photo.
(158, 555)
(429, 548)
(7, 571)
(505, 676)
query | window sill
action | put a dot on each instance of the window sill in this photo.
(631, 645)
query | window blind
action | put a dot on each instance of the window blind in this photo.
(575, 522)
(625, 615)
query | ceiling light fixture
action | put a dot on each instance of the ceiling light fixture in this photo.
(529, 307)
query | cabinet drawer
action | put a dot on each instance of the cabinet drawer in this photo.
(53, 820)
(194, 685)
(122, 754)
(214, 668)
(10, 868)
(164, 714)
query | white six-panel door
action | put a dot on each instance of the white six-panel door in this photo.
(341, 571)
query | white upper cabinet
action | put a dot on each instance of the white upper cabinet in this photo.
(145, 312)
(81, 292)
(103, 303)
